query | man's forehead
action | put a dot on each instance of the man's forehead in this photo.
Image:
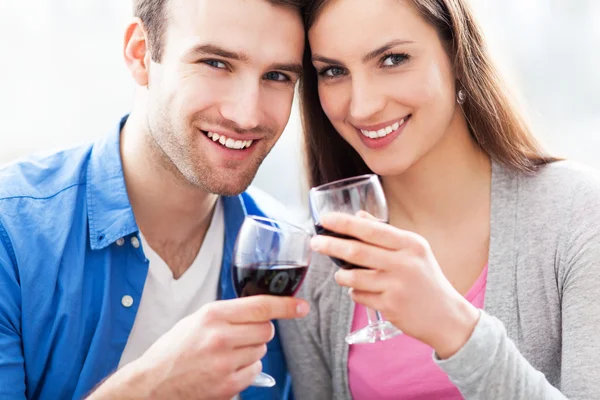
(250, 26)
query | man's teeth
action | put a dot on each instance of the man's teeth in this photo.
(383, 132)
(230, 143)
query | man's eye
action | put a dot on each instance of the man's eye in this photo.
(276, 76)
(215, 64)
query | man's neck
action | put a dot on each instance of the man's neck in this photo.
(172, 215)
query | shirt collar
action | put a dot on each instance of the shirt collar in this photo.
(235, 212)
(109, 211)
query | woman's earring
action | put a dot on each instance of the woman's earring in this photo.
(461, 97)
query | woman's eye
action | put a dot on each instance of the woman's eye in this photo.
(394, 59)
(331, 72)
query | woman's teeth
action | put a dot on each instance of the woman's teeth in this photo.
(228, 142)
(383, 132)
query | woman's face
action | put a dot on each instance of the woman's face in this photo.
(385, 80)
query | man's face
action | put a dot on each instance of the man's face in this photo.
(222, 93)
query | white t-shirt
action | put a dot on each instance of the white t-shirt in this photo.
(165, 300)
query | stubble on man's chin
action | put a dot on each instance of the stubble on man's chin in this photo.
(222, 182)
(203, 178)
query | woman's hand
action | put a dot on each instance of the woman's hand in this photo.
(403, 280)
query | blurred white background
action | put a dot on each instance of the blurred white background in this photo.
(63, 82)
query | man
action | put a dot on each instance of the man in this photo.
(112, 255)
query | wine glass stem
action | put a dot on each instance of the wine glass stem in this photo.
(373, 316)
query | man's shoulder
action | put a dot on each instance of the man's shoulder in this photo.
(42, 176)
(273, 208)
(35, 190)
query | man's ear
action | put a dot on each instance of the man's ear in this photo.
(137, 52)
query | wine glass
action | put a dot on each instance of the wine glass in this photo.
(270, 257)
(349, 196)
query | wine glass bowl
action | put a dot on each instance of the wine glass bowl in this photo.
(270, 257)
(351, 196)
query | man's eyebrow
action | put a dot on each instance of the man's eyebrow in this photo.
(325, 60)
(214, 50)
(295, 68)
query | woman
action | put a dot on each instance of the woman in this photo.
(480, 218)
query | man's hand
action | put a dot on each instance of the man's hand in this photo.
(214, 353)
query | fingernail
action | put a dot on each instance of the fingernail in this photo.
(302, 309)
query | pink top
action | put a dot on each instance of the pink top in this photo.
(402, 367)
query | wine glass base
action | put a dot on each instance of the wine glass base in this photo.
(376, 332)
(264, 380)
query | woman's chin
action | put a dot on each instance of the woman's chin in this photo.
(389, 168)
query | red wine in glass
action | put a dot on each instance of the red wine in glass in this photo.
(340, 263)
(270, 257)
(277, 279)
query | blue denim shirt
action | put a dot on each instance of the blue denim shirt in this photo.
(67, 258)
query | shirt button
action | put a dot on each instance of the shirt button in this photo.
(127, 301)
(120, 242)
(135, 242)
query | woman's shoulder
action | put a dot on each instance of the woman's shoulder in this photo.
(566, 184)
(578, 185)
(561, 203)
(556, 187)
(557, 207)
(565, 175)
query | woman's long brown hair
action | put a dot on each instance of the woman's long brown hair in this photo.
(493, 119)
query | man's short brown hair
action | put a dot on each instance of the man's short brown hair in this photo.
(153, 14)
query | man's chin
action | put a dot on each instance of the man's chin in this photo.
(230, 186)
(230, 191)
